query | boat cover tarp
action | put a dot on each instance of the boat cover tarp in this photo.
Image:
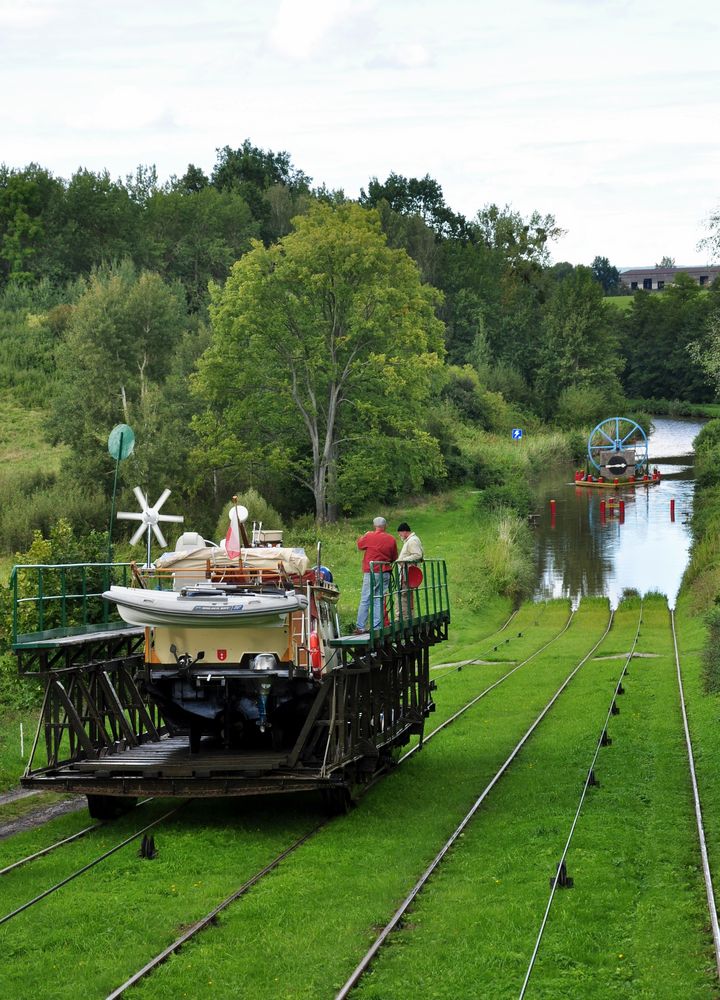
(294, 561)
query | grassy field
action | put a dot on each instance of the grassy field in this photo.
(634, 925)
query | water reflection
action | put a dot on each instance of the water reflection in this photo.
(588, 553)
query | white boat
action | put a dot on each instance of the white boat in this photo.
(202, 606)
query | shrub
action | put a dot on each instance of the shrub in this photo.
(515, 496)
(711, 652)
(258, 510)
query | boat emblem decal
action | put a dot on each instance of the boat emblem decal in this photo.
(222, 654)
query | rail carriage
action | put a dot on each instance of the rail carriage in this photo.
(221, 673)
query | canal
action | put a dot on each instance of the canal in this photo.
(582, 552)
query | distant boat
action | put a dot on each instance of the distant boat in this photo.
(203, 606)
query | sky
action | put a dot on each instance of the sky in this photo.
(603, 113)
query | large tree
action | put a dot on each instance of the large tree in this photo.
(324, 350)
(579, 337)
(607, 275)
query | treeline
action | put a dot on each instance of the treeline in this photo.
(258, 331)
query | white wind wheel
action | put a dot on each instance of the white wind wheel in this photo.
(150, 518)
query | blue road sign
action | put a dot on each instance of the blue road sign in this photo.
(517, 433)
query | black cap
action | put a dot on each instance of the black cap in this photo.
(403, 526)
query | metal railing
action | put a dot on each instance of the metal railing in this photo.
(407, 595)
(62, 599)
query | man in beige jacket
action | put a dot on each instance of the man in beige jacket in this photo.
(411, 552)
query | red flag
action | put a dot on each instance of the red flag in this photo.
(232, 539)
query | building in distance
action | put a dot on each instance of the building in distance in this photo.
(654, 279)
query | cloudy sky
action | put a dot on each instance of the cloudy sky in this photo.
(605, 113)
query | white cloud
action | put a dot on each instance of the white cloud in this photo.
(301, 30)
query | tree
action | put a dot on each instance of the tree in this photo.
(666, 262)
(657, 332)
(421, 197)
(606, 275)
(706, 353)
(579, 340)
(252, 172)
(196, 236)
(321, 366)
(118, 348)
(519, 240)
(27, 201)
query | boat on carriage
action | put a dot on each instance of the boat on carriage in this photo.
(237, 636)
(617, 457)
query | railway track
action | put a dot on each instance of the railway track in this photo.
(697, 805)
(589, 780)
(254, 879)
(86, 867)
(383, 936)
(209, 919)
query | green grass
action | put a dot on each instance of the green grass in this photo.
(12, 764)
(622, 302)
(23, 443)
(634, 923)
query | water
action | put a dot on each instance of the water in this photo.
(584, 555)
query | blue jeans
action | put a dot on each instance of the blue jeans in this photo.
(380, 584)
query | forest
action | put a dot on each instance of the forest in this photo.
(257, 331)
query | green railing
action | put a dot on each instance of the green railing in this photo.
(396, 605)
(55, 601)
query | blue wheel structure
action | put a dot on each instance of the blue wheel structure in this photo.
(616, 434)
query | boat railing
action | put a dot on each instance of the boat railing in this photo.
(175, 578)
(52, 601)
(407, 595)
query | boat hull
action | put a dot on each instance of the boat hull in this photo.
(622, 485)
(148, 608)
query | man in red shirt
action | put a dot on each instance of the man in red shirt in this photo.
(379, 548)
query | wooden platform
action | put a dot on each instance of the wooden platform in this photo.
(166, 767)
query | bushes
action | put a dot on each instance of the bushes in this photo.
(504, 562)
(34, 501)
(711, 652)
(515, 496)
(258, 510)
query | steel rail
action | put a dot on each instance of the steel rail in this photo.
(487, 690)
(707, 874)
(90, 864)
(210, 918)
(451, 668)
(382, 937)
(583, 794)
(59, 843)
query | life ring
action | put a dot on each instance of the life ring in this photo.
(315, 654)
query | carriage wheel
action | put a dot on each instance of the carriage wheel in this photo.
(616, 434)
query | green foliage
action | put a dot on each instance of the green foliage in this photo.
(118, 351)
(657, 337)
(258, 510)
(579, 341)
(515, 496)
(197, 236)
(330, 344)
(587, 406)
(711, 652)
(32, 502)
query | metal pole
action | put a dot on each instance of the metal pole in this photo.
(112, 505)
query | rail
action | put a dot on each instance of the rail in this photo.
(51, 601)
(407, 595)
